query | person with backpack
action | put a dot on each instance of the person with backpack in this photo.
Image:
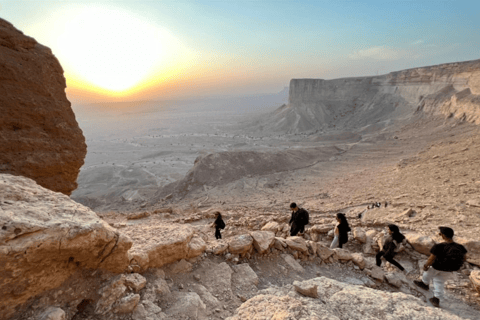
(445, 258)
(391, 246)
(218, 224)
(299, 219)
(340, 232)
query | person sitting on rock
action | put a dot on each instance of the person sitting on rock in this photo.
(390, 246)
(298, 220)
(341, 232)
(445, 258)
(218, 224)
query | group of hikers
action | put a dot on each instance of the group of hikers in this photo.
(444, 258)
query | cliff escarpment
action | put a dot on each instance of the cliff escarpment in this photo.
(451, 90)
(39, 135)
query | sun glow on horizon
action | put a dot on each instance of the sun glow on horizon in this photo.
(110, 51)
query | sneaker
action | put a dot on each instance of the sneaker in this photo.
(419, 283)
(435, 302)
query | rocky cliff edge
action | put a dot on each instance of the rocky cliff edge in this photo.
(39, 135)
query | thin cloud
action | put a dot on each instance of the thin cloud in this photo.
(420, 41)
(376, 53)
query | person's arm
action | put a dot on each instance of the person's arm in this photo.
(291, 219)
(429, 262)
(336, 232)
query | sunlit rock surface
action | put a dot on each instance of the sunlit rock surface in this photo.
(45, 237)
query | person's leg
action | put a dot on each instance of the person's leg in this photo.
(334, 243)
(439, 283)
(302, 228)
(340, 245)
(395, 263)
(378, 258)
(218, 234)
(294, 230)
(429, 275)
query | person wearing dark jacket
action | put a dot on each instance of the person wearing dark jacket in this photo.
(445, 258)
(341, 232)
(298, 220)
(218, 224)
(390, 245)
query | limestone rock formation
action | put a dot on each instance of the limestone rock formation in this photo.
(262, 240)
(448, 90)
(420, 242)
(296, 243)
(163, 244)
(39, 135)
(473, 248)
(336, 300)
(240, 244)
(45, 237)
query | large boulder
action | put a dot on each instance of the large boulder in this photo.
(244, 281)
(292, 263)
(321, 228)
(196, 247)
(262, 240)
(218, 279)
(359, 260)
(473, 248)
(244, 276)
(187, 304)
(337, 300)
(156, 245)
(45, 237)
(271, 226)
(296, 243)
(240, 244)
(420, 242)
(39, 134)
(324, 252)
(342, 254)
(359, 234)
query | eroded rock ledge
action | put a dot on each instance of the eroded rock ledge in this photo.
(45, 237)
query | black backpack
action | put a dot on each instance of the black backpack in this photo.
(305, 217)
(220, 224)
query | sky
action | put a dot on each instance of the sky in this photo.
(155, 50)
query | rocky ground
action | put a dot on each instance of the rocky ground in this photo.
(426, 172)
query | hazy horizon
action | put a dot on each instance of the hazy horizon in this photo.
(134, 50)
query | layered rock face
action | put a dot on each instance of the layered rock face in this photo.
(39, 135)
(45, 237)
(451, 90)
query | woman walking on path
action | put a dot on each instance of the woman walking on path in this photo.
(391, 244)
(218, 224)
(341, 232)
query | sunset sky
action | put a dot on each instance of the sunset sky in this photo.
(127, 50)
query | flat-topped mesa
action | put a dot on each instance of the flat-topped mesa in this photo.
(39, 135)
(451, 90)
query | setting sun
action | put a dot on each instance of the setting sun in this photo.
(110, 50)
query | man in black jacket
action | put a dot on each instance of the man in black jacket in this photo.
(445, 258)
(298, 220)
